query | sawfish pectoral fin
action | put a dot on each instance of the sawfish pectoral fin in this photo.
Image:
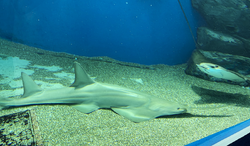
(134, 114)
(86, 108)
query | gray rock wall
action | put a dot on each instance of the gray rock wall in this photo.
(226, 39)
(227, 16)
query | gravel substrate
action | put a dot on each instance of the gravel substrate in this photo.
(226, 104)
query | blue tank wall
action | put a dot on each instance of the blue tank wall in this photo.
(140, 31)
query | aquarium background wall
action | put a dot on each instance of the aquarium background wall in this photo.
(141, 31)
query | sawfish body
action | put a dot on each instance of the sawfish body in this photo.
(221, 73)
(87, 96)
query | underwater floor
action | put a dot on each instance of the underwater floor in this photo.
(64, 125)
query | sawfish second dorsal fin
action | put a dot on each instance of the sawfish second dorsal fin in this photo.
(29, 86)
(81, 77)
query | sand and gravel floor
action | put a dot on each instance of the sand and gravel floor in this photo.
(64, 125)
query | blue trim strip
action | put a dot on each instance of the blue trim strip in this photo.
(214, 138)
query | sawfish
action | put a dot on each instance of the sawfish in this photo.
(221, 73)
(86, 95)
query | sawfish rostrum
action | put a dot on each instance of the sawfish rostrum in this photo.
(87, 96)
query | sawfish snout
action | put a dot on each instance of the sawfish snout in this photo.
(182, 110)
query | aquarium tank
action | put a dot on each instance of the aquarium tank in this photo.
(123, 72)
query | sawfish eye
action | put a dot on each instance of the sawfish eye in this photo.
(178, 108)
(216, 66)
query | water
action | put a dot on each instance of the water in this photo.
(140, 31)
(140, 39)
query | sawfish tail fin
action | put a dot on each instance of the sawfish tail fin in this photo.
(81, 79)
(29, 87)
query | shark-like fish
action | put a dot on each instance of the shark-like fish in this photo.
(86, 95)
(222, 73)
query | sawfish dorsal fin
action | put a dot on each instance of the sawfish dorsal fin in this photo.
(29, 86)
(81, 77)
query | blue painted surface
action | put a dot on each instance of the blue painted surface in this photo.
(140, 31)
(217, 137)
